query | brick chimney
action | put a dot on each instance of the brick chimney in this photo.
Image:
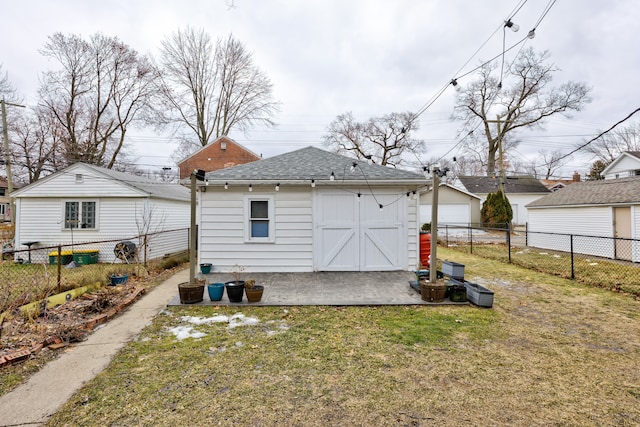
(576, 177)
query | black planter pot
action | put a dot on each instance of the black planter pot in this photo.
(235, 290)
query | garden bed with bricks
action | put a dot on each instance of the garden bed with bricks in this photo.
(24, 336)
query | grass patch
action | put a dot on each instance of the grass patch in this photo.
(442, 327)
(536, 358)
(608, 274)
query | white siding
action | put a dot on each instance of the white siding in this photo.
(221, 231)
(65, 184)
(584, 221)
(413, 233)
(41, 220)
(624, 167)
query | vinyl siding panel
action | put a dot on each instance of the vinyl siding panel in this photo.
(41, 219)
(585, 221)
(413, 233)
(221, 231)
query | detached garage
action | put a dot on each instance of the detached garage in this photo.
(455, 206)
(309, 210)
(604, 208)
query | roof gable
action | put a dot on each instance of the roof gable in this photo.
(219, 154)
(600, 192)
(310, 163)
(512, 184)
(141, 185)
(453, 188)
(629, 158)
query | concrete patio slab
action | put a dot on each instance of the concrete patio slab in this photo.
(323, 288)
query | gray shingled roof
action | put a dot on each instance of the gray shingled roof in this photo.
(512, 184)
(601, 192)
(312, 163)
(153, 188)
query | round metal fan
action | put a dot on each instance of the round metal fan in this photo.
(126, 251)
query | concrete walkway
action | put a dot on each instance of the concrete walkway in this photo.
(33, 402)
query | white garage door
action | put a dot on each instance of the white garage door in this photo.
(454, 214)
(353, 234)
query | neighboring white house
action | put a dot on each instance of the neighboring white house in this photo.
(520, 190)
(625, 165)
(309, 210)
(606, 208)
(455, 206)
(87, 203)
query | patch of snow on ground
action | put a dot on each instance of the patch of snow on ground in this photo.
(184, 332)
(205, 320)
(234, 321)
(240, 319)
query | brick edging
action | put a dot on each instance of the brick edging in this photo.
(54, 342)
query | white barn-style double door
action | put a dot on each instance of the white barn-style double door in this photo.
(352, 233)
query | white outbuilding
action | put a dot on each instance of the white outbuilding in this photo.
(309, 210)
(87, 203)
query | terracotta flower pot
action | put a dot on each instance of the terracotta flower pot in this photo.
(254, 294)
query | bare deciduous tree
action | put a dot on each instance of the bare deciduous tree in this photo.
(36, 145)
(101, 89)
(385, 139)
(7, 91)
(551, 162)
(213, 88)
(525, 104)
(611, 145)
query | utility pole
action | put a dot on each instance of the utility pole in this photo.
(433, 260)
(194, 235)
(500, 156)
(7, 157)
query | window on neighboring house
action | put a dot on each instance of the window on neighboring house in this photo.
(3, 209)
(79, 215)
(3, 191)
(259, 219)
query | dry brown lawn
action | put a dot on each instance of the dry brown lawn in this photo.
(550, 352)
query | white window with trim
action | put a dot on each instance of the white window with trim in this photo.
(80, 214)
(259, 219)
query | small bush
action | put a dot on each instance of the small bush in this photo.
(496, 209)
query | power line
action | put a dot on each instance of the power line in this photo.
(600, 135)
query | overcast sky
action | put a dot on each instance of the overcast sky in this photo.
(370, 57)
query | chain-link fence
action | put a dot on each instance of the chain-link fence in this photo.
(608, 262)
(37, 272)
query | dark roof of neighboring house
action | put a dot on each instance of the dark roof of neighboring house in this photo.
(512, 184)
(310, 163)
(634, 153)
(600, 192)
